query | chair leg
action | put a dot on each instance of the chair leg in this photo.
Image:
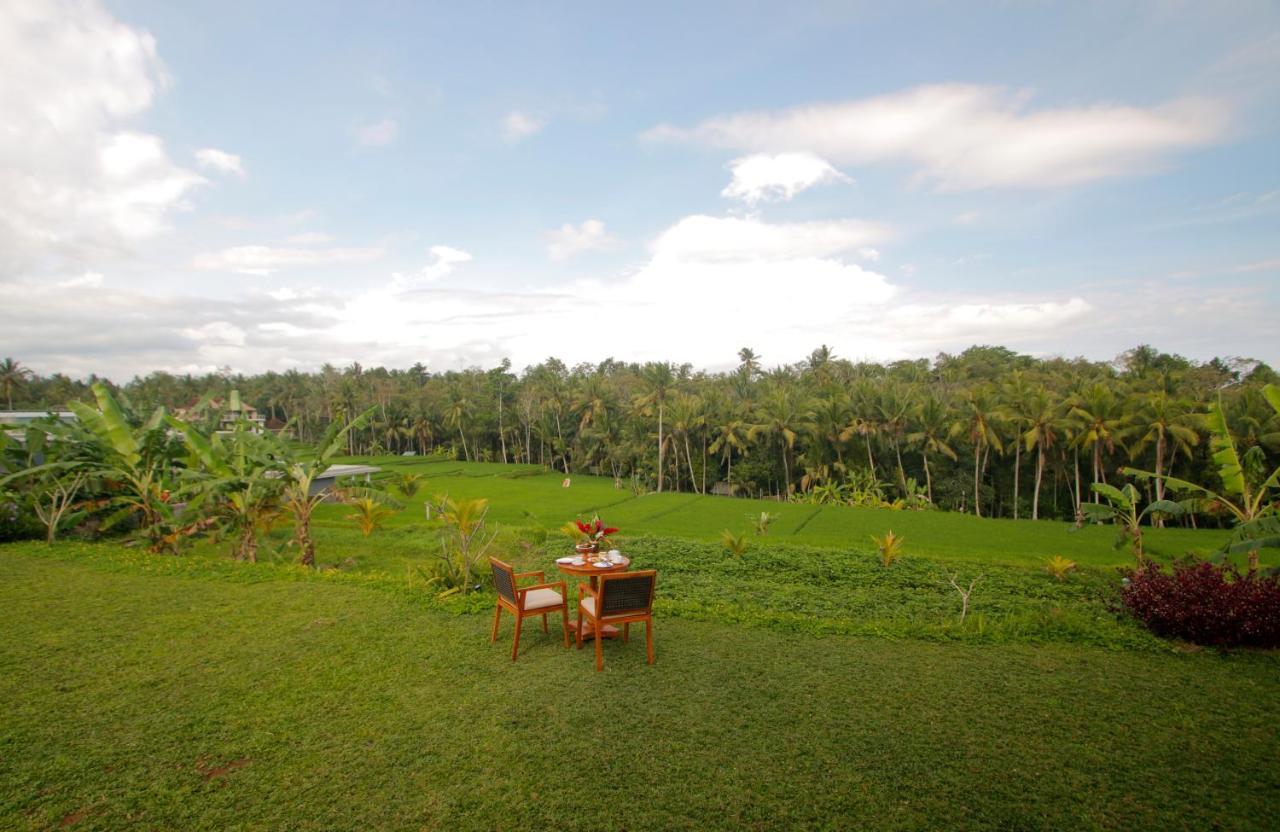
(648, 638)
(579, 626)
(515, 646)
(497, 616)
(544, 623)
(564, 624)
(626, 633)
(599, 649)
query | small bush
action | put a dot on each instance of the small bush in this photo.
(1207, 603)
(1059, 567)
(889, 548)
(734, 544)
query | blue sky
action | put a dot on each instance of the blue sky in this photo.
(265, 186)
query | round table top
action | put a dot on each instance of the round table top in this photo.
(589, 568)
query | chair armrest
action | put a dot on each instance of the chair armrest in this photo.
(587, 589)
(542, 576)
(564, 591)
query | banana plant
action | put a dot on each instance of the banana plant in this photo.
(50, 487)
(1246, 494)
(239, 475)
(1121, 508)
(136, 465)
(300, 473)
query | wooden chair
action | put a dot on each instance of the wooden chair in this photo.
(620, 599)
(525, 601)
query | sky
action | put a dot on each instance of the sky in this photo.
(264, 186)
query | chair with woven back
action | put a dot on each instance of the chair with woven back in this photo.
(526, 601)
(624, 599)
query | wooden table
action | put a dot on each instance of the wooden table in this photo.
(594, 572)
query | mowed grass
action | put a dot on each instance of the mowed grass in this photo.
(525, 496)
(234, 698)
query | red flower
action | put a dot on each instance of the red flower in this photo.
(610, 530)
(583, 527)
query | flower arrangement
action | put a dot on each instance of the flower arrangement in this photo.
(594, 533)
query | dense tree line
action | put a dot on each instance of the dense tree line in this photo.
(987, 431)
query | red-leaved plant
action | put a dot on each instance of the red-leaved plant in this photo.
(595, 531)
(1207, 603)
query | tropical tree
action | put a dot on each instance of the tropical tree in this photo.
(12, 376)
(1041, 427)
(1167, 423)
(659, 380)
(1246, 492)
(137, 464)
(783, 415)
(931, 421)
(1121, 508)
(732, 433)
(301, 470)
(978, 418)
(240, 478)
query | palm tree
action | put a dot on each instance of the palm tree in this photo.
(864, 420)
(782, 415)
(1101, 423)
(1168, 423)
(659, 380)
(1016, 393)
(12, 376)
(978, 419)
(1041, 420)
(931, 420)
(732, 432)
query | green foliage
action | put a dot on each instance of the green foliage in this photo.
(888, 548)
(762, 521)
(1121, 508)
(1060, 567)
(407, 484)
(356, 676)
(369, 514)
(735, 544)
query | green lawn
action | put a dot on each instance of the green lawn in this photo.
(523, 495)
(189, 694)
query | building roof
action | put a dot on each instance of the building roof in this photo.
(336, 471)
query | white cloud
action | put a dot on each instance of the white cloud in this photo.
(220, 161)
(764, 177)
(378, 134)
(264, 260)
(308, 238)
(570, 240)
(444, 260)
(88, 280)
(517, 125)
(965, 136)
(869, 254)
(732, 239)
(77, 182)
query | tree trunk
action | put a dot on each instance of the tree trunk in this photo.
(1076, 456)
(786, 473)
(928, 477)
(564, 449)
(1035, 499)
(502, 436)
(1159, 481)
(870, 459)
(302, 536)
(688, 457)
(660, 446)
(1017, 466)
(977, 460)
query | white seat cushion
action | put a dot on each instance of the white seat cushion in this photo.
(536, 599)
(589, 606)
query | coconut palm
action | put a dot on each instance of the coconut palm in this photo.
(1041, 420)
(12, 376)
(931, 420)
(783, 415)
(659, 380)
(978, 417)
